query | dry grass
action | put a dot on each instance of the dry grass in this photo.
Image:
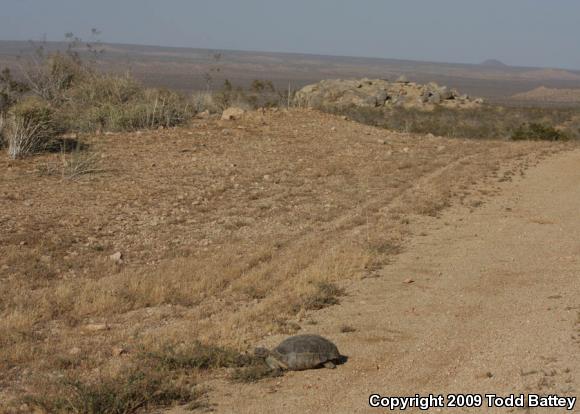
(228, 231)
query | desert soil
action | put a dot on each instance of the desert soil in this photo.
(494, 308)
(226, 231)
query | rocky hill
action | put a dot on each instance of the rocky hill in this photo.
(374, 93)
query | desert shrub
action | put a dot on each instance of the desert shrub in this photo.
(10, 90)
(50, 76)
(537, 132)
(84, 100)
(119, 103)
(30, 125)
(103, 88)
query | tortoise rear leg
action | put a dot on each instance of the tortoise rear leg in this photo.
(329, 365)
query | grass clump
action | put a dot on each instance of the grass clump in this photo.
(196, 356)
(123, 393)
(254, 372)
(73, 164)
(326, 294)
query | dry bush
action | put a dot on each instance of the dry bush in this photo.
(29, 126)
(50, 76)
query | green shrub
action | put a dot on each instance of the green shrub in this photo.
(537, 132)
(30, 125)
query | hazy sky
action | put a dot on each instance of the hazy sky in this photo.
(518, 32)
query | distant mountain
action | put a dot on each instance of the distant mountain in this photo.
(186, 69)
(543, 94)
(493, 63)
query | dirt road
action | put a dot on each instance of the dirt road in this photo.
(494, 308)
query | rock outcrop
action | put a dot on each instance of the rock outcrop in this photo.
(376, 93)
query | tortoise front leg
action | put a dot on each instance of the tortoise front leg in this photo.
(275, 365)
(329, 365)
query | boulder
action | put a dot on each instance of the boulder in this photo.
(435, 98)
(402, 79)
(372, 93)
(232, 114)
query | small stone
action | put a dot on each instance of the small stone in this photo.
(118, 351)
(333, 129)
(409, 281)
(96, 327)
(116, 257)
(75, 351)
(203, 115)
(232, 114)
(406, 150)
(381, 141)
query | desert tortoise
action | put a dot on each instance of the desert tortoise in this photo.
(301, 352)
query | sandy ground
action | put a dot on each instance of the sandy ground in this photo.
(494, 308)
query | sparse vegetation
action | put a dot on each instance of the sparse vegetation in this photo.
(123, 392)
(195, 355)
(537, 132)
(347, 329)
(69, 96)
(325, 294)
(486, 122)
(254, 372)
(73, 164)
(219, 248)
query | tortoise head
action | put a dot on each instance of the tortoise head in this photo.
(261, 352)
